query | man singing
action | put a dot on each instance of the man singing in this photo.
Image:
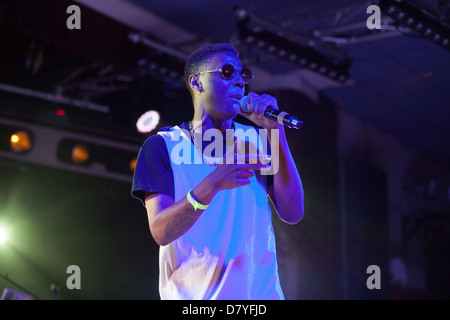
(212, 219)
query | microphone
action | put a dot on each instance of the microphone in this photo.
(281, 117)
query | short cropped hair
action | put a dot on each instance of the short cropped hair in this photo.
(201, 57)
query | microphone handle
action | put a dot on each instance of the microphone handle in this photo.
(283, 118)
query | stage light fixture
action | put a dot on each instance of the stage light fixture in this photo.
(162, 68)
(15, 139)
(75, 152)
(148, 121)
(305, 56)
(419, 19)
(133, 164)
(20, 141)
(80, 153)
(83, 154)
(67, 150)
(115, 160)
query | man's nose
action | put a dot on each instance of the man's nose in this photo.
(239, 82)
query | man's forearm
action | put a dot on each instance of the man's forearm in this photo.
(175, 220)
(288, 189)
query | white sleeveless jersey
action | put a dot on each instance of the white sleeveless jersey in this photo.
(229, 253)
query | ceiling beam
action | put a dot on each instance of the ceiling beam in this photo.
(140, 19)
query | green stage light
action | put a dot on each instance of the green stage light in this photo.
(3, 235)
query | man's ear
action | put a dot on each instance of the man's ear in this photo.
(195, 83)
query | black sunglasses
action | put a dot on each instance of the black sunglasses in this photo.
(228, 72)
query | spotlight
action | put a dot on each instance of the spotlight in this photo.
(148, 121)
(410, 22)
(401, 15)
(80, 154)
(391, 10)
(133, 164)
(282, 53)
(3, 235)
(20, 141)
(292, 57)
(261, 44)
(15, 139)
(75, 152)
